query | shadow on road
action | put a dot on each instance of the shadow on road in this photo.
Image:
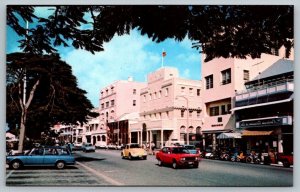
(87, 159)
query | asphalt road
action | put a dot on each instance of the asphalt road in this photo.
(106, 168)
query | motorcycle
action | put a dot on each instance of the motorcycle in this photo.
(225, 156)
(253, 158)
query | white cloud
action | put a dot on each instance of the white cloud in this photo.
(123, 56)
(186, 74)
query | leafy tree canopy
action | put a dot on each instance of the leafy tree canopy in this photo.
(57, 97)
(218, 31)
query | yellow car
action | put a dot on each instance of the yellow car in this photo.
(133, 150)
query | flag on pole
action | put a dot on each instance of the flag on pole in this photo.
(164, 53)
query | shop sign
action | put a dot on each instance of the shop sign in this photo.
(261, 123)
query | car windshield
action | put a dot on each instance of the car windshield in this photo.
(134, 146)
(190, 147)
(179, 150)
(88, 145)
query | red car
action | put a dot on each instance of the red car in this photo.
(177, 156)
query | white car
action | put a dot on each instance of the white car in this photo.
(88, 147)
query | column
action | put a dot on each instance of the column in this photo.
(279, 143)
(161, 138)
(214, 141)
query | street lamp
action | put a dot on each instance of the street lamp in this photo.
(187, 119)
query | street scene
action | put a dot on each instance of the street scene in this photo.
(107, 168)
(136, 95)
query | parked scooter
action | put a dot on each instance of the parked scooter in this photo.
(253, 158)
(238, 157)
(224, 156)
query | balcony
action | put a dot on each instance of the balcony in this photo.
(266, 93)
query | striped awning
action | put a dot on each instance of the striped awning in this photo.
(229, 136)
(256, 133)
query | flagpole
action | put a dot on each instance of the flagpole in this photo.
(162, 58)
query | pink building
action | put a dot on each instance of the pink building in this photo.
(116, 100)
(170, 106)
(222, 78)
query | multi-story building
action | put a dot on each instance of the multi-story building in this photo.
(65, 132)
(222, 78)
(170, 110)
(264, 110)
(116, 100)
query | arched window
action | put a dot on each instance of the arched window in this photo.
(103, 138)
(98, 138)
(182, 129)
(191, 128)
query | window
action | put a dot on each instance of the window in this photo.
(214, 111)
(190, 113)
(150, 97)
(107, 104)
(246, 75)
(159, 94)
(106, 91)
(134, 103)
(182, 113)
(182, 90)
(228, 108)
(198, 114)
(209, 82)
(102, 106)
(134, 91)
(144, 98)
(191, 91)
(226, 76)
(167, 92)
(154, 95)
(223, 109)
(112, 102)
(198, 92)
(167, 114)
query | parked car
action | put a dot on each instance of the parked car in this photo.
(192, 149)
(77, 146)
(133, 150)
(286, 159)
(88, 147)
(42, 156)
(177, 156)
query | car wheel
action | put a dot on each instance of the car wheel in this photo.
(16, 165)
(232, 159)
(122, 155)
(286, 163)
(196, 165)
(159, 162)
(129, 156)
(145, 157)
(174, 165)
(60, 165)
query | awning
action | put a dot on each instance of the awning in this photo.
(256, 133)
(230, 136)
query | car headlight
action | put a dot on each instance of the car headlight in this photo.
(182, 159)
(197, 158)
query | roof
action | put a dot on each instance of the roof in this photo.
(279, 67)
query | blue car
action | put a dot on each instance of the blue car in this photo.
(42, 156)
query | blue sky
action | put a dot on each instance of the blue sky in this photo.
(128, 55)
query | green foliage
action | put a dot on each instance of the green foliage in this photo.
(218, 31)
(56, 99)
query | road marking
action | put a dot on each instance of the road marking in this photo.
(9, 174)
(106, 178)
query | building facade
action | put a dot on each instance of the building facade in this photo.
(116, 100)
(170, 110)
(222, 79)
(264, 110)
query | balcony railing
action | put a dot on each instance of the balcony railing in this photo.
(266, 93)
